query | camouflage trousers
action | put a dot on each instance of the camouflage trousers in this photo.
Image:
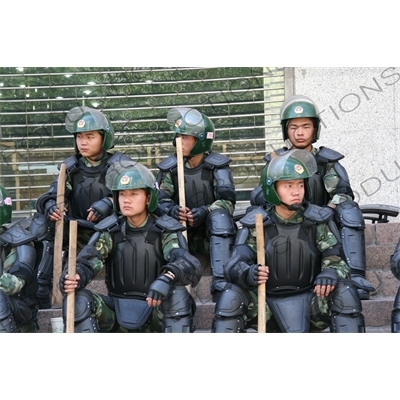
(107, 320)
(319, 319)
(198, 240)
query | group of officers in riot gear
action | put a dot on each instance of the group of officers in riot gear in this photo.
(131, 225)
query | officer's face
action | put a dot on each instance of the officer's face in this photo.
(89, 144)
(300, 132)
(187, 144)
(133, 203)
(290, 192)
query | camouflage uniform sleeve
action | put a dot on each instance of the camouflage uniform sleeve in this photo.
(104, 246)
(331, 180)
(9, 283)
(225, 204)
(169, 242)
(325, 240)
(167, 185)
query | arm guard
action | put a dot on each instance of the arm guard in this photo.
(24, 264)
(239, 272)
(186, 268)
(225, 187)
(84, 267)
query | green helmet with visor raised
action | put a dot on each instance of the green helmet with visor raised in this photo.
(136, 176)
(188, 121)
(291, 165)
(300, 106)
(5, 206)
(85, 119)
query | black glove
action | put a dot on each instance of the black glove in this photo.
(174, 212)
(160, 288)
(50, 207)
(199, 215)
(252, 276)
(327, 277)
(102, 208)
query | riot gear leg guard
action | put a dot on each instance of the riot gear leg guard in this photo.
(346, 309)
(352, 225)
(178, 311)
(396, 314)
(85, 322)
(231, 306)
(221, 229)
(7, 322)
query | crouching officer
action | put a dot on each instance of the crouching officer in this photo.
(308, 284)
(146, 260)
(18, 283)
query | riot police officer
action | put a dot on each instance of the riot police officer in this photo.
(301, 126)
(146, 261)
(209, 191)
(87, 199)
(308, 285)
(18, 282)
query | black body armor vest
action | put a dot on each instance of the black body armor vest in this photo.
(134, 262)
(292, 257)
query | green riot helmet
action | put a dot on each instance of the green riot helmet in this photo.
(5, 206)
(291, 165)
(86, 119)
(188, 121)
(136, 176)
(300, 106)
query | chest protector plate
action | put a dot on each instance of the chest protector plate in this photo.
(134, 263)
(292, 257)
(199, 190)
(88, 186)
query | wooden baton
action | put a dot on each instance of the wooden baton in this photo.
(73, 232)
(58, 240)
(261, 261)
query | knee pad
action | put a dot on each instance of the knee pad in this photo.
(7, 322)
(346, 309)
(84, 308)
(230, 308)
(178, 310)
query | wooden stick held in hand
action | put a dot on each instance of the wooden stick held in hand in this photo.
(56, 300)
(181, 177)
(73, 232)
(261, 261)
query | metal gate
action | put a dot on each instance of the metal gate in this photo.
(243, 104)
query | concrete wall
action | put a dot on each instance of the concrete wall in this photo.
(359, 108)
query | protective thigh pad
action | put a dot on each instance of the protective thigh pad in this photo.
(351, 224)
(222, 229)
(345, 298)
(292, 313)
(7, 322)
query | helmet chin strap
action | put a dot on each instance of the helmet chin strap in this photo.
(294, 207)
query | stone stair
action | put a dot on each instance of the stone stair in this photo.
(381, 240)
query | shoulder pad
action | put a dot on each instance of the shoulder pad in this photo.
(109, 224)
(117, 157)
(318, 214)
(217, 160)
(70, 162)
(168, 163)
(325, 154)
(249, 220)
(16, 235)
(267, 157)
(169, 224)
